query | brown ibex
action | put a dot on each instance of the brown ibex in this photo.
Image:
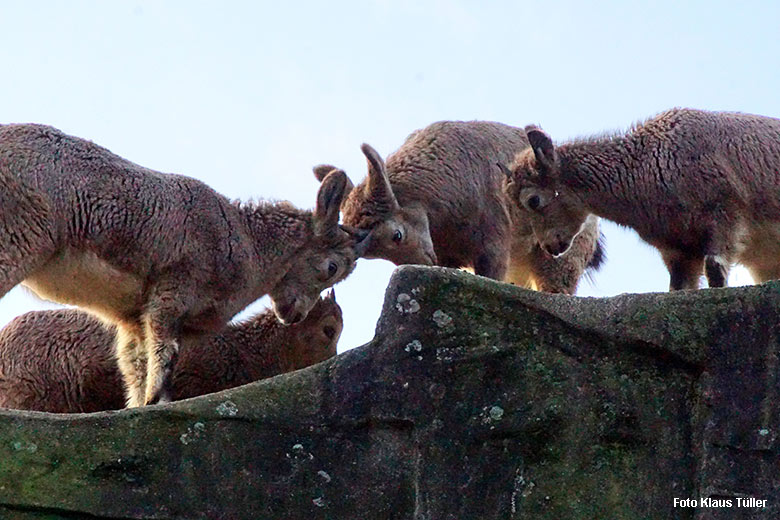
(701, 187)
(64, 361)
(440, 200)
(158, 255)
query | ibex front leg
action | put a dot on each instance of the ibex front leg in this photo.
(132, 360)
(161, 330)
(492, 260)
(684, 270)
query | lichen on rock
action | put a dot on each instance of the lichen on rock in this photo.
(475, 400)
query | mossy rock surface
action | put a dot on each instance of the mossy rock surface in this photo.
(474, 400)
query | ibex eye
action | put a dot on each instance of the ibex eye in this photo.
(397, 236)
(533, 202)
(332, 268)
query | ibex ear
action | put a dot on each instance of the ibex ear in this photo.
(378, 184)
(542, 146)
(332, 190)
(322, 170)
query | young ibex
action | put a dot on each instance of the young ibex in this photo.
(439, 200)
(700, 186)
(63, 361)
(158, 255)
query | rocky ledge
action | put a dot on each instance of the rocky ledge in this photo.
(475, 400)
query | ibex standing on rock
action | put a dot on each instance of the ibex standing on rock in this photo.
(158, 255)
(701, 187)
(440, 200)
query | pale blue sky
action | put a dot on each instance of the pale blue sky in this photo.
(248, 96)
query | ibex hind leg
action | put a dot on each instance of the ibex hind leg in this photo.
(27, 232)
(716, 269)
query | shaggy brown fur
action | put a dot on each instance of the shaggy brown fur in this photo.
(158, 255)
(63, 361)
(702, 187)
(439, 200)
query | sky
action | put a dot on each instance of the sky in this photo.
(248, 96)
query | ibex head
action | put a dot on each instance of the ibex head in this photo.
(327, 259)
(398, 233)
(533, 184)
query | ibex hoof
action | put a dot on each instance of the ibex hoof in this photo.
(160, 397)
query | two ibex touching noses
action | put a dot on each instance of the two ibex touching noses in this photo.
(440, 199)
(165, 261)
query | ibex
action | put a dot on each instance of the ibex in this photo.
(701, 187)
(158, 255)
(63, 361)
(440, 200)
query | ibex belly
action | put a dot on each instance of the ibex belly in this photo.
(82, 278)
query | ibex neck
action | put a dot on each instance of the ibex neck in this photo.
(278, 231)
(602, 173)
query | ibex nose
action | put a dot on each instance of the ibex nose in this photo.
(558, 248)
(289, 315)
